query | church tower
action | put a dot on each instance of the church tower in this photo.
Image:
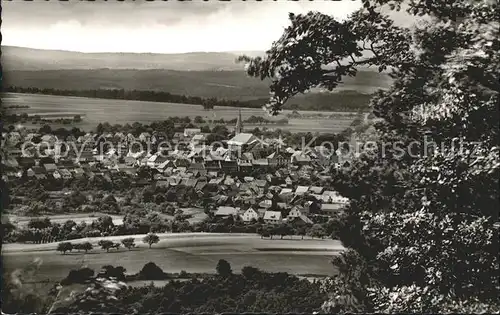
(239, 124)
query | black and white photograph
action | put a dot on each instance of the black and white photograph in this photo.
(189, 157)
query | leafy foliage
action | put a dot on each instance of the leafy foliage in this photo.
(151, 239)
(64, 247)
(129, 243)
(421, 227)
(255, 291)
(223, 268)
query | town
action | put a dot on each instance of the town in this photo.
(248, 178)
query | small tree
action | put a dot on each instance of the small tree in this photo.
(223, 268)
(151, 239)
(128, 243)
(86, 246)
(105, 244)
(77, 247)
(64, 247)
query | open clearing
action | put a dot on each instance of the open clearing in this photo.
(95, 111)
(192, 252)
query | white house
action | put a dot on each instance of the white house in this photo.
(294, 213)
(226, 211)
(240, 140)
(332, 208)
(249, 215)
(272, 217)
(335, 197)
(189, 132)
(301, 190)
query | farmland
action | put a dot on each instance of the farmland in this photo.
(192, 252)
(95, 111)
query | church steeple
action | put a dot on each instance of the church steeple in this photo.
(239, 124)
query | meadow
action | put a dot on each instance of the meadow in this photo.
(192, 252)
(95, 111)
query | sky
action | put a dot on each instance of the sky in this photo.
(155, 27)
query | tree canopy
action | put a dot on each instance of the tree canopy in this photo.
(421, 229)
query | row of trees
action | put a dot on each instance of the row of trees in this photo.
(106, 245)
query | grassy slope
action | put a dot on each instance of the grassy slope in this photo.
(193, 252)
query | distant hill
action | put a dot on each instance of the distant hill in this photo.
(234, 85)
(201, 74)
(20, 58)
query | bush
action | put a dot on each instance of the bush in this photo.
(223, 268)
(78, 276)
(151, 271)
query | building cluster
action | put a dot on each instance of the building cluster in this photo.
(244, 175)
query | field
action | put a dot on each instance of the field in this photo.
(192, 252)
(234, 85)
(95, 111)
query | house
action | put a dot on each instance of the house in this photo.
(199, 138)
(229, 166)
(50, 167)
(261, 183)
(78, 172)
(216, 181)
(285, 191)
(144, 136)
(174, 181)
(295, 213)
(200, 185)
(226, 211)
(316, 189)
(300, 220)
(249, 215)
(190, 132)
(266, 204)
(272, 217)
(65, 174)
(163, 166)
(211, 165)
(241, 141)
(332, 208)
(335, 197)
(229, 181)
(300, 158)
(301, 190)
(261, 163)
(56, 174)
(278, 159)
